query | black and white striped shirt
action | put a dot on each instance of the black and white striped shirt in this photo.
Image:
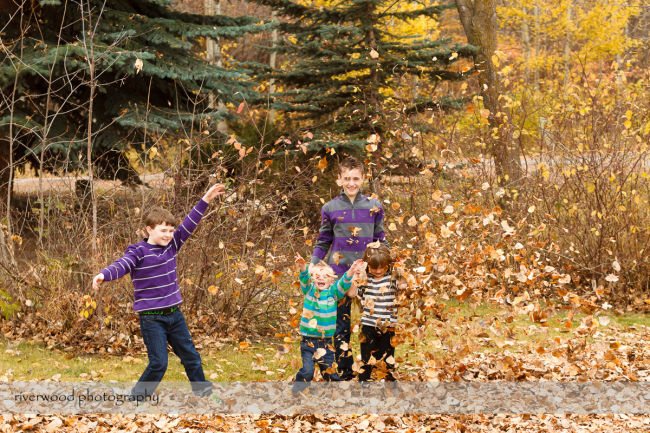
(378, 301)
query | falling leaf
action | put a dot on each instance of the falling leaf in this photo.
(322, 164)
(138, 65)
(611, 278)
(412, 222)
(603, 320)
(616, 266)
(395, 205)
(240, 108)
(320, 352)
(392, 227)
(374, 54)
(354, 230)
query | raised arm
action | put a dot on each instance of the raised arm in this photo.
(185, 229)
(344, 284)
(357, 267)
(325, 237)
(303, 277)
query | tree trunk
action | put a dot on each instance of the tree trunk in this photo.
(272, 64)
(89, 45)
(214, 58)
(567, 46)
(537, 49)
(6, 189)
(6, 180)
(525, 37)
(479, 21)
(374, 106)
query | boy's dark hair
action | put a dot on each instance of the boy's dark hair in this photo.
(377, 255)
(350, 163)
(158, 215)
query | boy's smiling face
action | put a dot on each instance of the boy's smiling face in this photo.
(160, 235)
(322, 280)
(351, 180)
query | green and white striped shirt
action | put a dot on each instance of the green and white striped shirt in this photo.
(319, 308)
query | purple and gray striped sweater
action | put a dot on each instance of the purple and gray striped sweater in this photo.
(346, 229)
(153, 267)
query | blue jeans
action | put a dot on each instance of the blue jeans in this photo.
(157, 331)
(308, 347)
(344, 358)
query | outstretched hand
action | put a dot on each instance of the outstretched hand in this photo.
(357, 267)
(301, 263)
(99, 278)
(215, 190)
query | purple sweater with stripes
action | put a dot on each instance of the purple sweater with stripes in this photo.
(153, 267)
(346, 229)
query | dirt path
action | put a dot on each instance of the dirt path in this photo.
(67, 183)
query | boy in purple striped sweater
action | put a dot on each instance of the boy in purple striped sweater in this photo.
(152, 265)
(349, 223)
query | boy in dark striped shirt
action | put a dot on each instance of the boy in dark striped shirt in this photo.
(349, 222)
(157, 298)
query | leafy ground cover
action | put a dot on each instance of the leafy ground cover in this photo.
(471, 345)
(463, 342)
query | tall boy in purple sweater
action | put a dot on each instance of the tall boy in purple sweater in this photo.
(349, 223)
(157, 298)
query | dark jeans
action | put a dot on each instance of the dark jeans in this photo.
(157, 331)
(344, 358)
(308, 348)
(376, 343)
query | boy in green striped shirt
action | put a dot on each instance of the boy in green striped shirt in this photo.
(318, 320)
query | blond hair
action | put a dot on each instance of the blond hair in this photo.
(322, 267)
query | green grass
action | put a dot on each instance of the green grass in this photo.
(229, 362)
(277, 359)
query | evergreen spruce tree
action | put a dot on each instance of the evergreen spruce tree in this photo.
(150, 75)
(344, 64)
